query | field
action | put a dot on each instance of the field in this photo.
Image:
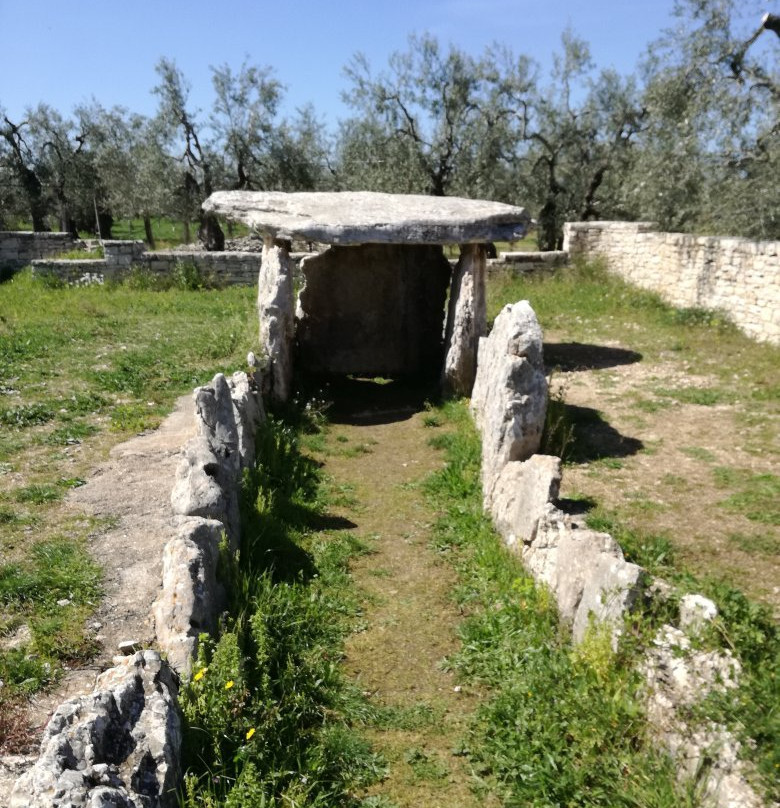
(81, 370)
(667, 421)
(675, 425)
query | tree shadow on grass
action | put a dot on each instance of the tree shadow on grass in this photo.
(576, 356)
(576, 506)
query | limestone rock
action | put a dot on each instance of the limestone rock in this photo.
(509, 400)
(249, 414)
(216, 421)
(374, 310)
(371, 218)
(520, 496)
(191, 597)
(585, 570)
(679, 676)
(207, 477)
(466, 320)
(196, 489)
(118, 746)
(276, 310)
(695, 612)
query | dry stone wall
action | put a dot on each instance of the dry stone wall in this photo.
(594, 586)
(221, 268)
(120, 744)
(18, 248)
(736, 276)
(527, 262)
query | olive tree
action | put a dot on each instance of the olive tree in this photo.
(710, 155)
(421, 124)
(184, 131)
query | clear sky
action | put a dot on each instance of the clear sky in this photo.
(64, 53)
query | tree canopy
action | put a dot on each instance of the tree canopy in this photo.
(692, 141)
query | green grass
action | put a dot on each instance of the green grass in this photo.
(81, 255)
(743, 627)
(591, 306)
(166, 233)
(268, 712)
(82, 369)
(757, 496)
(52, 591)
(559, 727)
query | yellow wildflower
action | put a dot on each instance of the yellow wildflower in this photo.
(250, 733)
(229, 684)
(200, 674)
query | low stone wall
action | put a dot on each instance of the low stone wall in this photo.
(221, 268)
(593, 585)
(736, 276)
(528, 262)
(18, 248)
(121, 743)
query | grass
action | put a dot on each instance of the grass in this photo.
(757, 496)
(80, 370)
(590, 306)
(268, 712)
(696, 362)
(51, 591)
(560, 727)
(656, 367)
(166, 233)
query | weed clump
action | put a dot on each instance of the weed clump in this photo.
(560, 726)
(267, 710)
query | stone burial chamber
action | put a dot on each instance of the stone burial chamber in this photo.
(373, 303)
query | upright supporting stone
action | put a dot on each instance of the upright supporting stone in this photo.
(466, 320)
(276, 309)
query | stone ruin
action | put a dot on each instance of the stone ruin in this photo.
(372, 304)
(593, 585)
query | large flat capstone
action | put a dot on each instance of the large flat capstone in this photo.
(364, 217)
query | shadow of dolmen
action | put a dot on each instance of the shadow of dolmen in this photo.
(594, 438)
(575, 356)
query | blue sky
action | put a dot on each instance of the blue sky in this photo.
(64, 53)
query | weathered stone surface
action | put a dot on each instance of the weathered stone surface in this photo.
(365, 217)
(12, 767)
(276, 310)
(678, 677)
(196, 489)
(191, 597)
(584, 569)
(204, 487)
(509, 400)
(695, 612)
(375, 309)
(248, 413)
(466, 320)
(521, 495)
(215, 420)
(118, 746)
(738, 277)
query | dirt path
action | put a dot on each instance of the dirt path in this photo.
(132, 490)
(410, 618)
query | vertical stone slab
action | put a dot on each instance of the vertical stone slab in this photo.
(466, 320)
(276, 310)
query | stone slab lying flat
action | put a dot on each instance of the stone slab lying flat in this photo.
(364, 217)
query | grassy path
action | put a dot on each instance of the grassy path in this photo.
(374, 459)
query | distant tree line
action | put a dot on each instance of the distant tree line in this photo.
(692, 142)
